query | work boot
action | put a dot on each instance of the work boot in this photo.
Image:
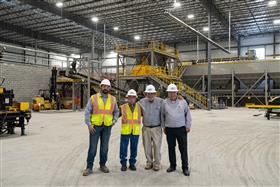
(123, 168)
(170, 169)
(186, 172)
(148, 166)
(87, 171)
(104, 169)
(132, 167)
(156, 167)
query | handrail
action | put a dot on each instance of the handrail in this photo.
(168, 77)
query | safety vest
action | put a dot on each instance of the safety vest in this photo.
(102, 113)
(131, 121)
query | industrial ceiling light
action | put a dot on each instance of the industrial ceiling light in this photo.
(205, 29)
(276, 22)
(176, 4)
(116, 28)
(190, 16)
(94, 19)
(59, 4)
(137, 37)
(272, 3)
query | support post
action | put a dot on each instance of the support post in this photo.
(152, 58)
(239, 46)
(209, 56)
(232, 88)
(266, 88)
(274, 45)
(118, 76)
(73, 96)
(203, 83)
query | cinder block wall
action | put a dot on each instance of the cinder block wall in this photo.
(25, 80)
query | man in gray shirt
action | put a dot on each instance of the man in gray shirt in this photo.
(152, 130)
(176, 118)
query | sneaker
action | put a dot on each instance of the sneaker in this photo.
(148, 166)
(87, 171)
(156, 167)
(104, 169)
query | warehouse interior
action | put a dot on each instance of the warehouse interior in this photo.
(223, 55)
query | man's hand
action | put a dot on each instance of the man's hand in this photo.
(91, 129)
(188, 130)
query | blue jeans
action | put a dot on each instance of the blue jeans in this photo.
(104, 134)
(133, 149)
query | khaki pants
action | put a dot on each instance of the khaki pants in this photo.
(152, 138)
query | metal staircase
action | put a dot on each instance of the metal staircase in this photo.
(192, 95)
(164, 78)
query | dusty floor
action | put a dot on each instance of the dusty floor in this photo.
(226, 147)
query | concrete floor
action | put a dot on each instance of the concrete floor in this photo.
(226, 147)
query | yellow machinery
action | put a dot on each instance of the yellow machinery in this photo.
(12, 114)
(39, 103)
(273, 107)
(43, 102)
(157, 64)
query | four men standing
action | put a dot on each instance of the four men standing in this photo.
(172, 114)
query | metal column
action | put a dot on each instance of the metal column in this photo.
(90, 64)
(266, 88)
(239, 46)
(274, 45)
(203, 83)
(35, 61)
(232, 88)
(73, 96)
(118, 76)
(152, 58)
(209, 57)
(68, 65)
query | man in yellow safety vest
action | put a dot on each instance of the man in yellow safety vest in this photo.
(101, 114)
(130, 130)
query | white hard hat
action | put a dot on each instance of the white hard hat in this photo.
(105, 82)
(131, 93)
(172, 88)
(150, 89)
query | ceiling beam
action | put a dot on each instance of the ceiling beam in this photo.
(51, 8)
(218, 15)
(40, 36)
(23, 44)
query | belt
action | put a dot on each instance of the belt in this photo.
(153, 126)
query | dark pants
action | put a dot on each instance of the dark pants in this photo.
(179, 134)
(104, 134)
(133, 149)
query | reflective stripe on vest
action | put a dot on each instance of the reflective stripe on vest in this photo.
(131, 121)
(102, 113)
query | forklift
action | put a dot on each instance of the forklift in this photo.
(12, 114)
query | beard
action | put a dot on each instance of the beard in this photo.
(105, 91)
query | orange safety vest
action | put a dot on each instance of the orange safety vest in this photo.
(131, 121)
(102, 113)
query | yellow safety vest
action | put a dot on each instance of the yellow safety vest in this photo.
(131, 122)
(102, 113)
